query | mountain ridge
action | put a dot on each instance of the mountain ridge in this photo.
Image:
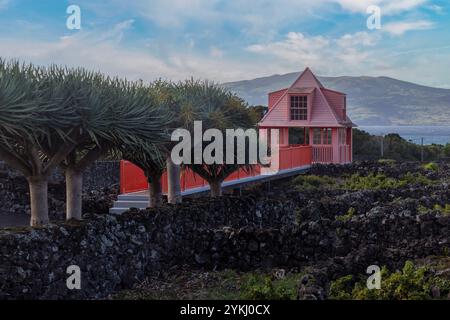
(371, 100)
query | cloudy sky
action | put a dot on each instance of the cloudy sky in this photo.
(226, 40)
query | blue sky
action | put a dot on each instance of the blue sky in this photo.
(226, 40)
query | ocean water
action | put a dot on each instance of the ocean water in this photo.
(430, 134)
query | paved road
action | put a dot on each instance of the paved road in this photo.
(14, 220)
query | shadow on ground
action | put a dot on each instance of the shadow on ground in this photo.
(14, 220)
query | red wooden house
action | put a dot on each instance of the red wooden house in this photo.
(307, 113)
(314, 128)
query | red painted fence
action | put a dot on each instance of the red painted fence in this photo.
(132, 178)
(322, 154)
(345, 154)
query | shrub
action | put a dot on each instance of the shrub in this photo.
(265, 287)
(389, 162)
(371, 181)
(381, 181)
(312, 182)
(444, 210)
(348, 216)
(341, 288)
(418, 178)
(432, 166)
(422, 209)
(410, 283)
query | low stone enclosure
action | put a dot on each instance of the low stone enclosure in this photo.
(14, 193)
(289, 229)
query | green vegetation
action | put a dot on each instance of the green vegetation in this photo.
(432, 166)
(444, 210)
(411, 283)
(368, 147)
(186, 285)
(224, 285)
(348, 216)
(390, 162)
(221, 110)
(71, 117)
(266, 287)
(68, 118)
(371, 181)
(381, 181)
(312, 182)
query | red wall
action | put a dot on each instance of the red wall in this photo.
(132, 178)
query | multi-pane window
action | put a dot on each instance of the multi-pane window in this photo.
(322, 136)
(299, 108)
(299, 135)
(342, 136)
(317, 136)
(327, 136)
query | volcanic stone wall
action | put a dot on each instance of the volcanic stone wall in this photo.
(14, 193)
(244, 233)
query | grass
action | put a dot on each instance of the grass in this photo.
(431, 166)
(348, 216)
(414, 281)
(215, 285)
(356, 182)
(313, 182)
(380, 181)
(390, 162)
(444, 210)
(269, 287)
(410, 283)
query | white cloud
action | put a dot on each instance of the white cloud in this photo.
(253, 18)
(401, 5)
(295, 47)
(4, 4)
(215, 52)
(359, 38)
(351, 54)
(355, 55)
(170, 14)
(435, 8)
(326, 55)
(388, 7)
(105, 52)
(401, 27)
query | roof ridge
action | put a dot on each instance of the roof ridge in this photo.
(330, 107)
(283, 95)
(335, 91)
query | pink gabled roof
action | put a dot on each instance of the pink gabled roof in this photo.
(301, 90)
(306, 83)
(278, 91)
(334, 91)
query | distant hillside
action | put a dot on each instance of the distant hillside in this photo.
(371, 100)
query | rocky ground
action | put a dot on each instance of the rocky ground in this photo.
(307, 237)
(362, 195)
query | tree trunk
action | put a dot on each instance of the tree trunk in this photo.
(38, 200)
(173, 182)
(216, 188)
(74, 192)
(155, 191)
